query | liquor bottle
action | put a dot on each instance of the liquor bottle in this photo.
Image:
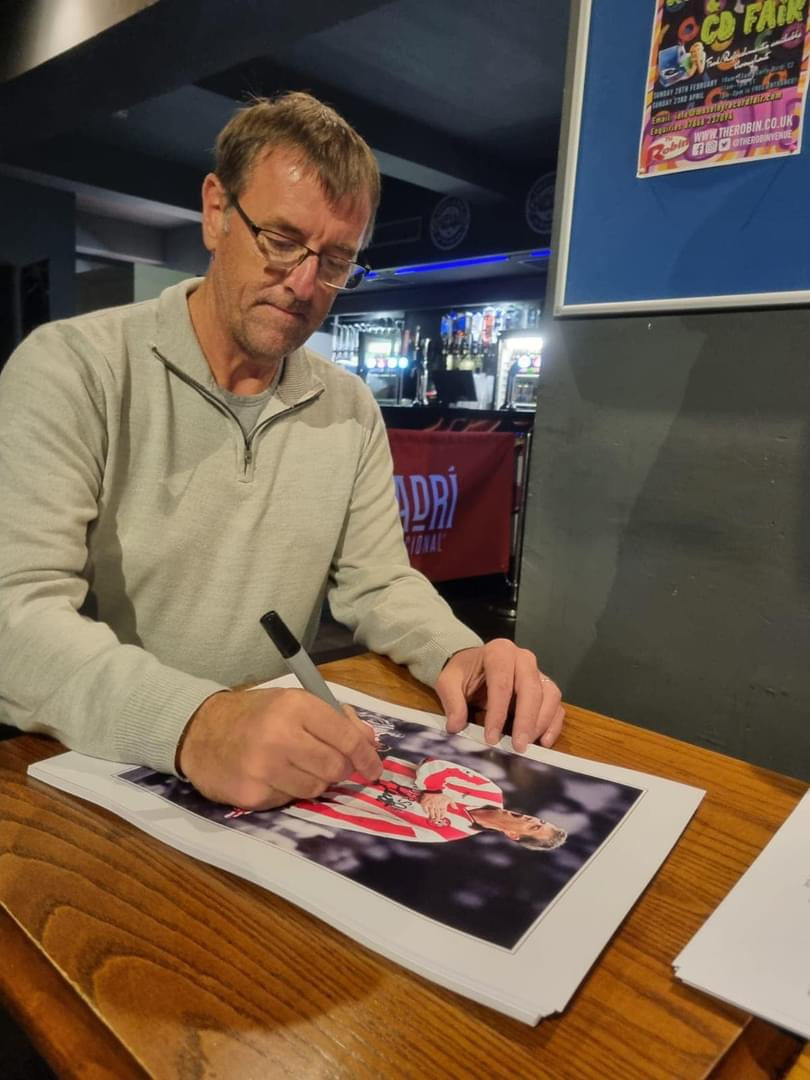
(476, 332)
(421, 349)
(458, 334)
(446, 328)
(488, 327)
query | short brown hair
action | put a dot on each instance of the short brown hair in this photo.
(341, 159)
(537, 843)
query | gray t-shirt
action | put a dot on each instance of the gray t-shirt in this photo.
(247, 407)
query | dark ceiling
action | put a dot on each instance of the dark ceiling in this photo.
(455, 96)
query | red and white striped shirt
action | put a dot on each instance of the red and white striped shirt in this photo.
(391, 807)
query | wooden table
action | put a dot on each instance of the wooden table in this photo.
(801, 1067)
(123, 958)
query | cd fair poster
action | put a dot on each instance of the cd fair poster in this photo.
(726, 83)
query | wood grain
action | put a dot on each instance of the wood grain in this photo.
(762, 1051)
(801, 1067)
(200, 974)
(66, 1032)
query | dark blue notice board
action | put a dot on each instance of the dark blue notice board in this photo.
(734, 230)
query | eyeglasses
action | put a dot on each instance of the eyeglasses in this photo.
(283, 253)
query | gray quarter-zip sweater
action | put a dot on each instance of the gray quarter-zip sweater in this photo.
(144, 534)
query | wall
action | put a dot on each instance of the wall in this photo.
(666, 570)
(496, 226)
(105, 286)
(125, 283)
(150, 281)
(183, 249)
(39, 223)
(666, 577)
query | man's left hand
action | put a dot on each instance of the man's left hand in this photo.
(493, 677)
(435, 805)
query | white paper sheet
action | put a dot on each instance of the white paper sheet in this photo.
(532, 977)
(754, 950)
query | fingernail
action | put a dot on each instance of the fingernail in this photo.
(519, 745)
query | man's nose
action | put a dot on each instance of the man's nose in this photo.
(303, 279)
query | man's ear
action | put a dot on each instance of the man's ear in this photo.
(214, 206)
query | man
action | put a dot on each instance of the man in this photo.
(432, 802)
(169, 470)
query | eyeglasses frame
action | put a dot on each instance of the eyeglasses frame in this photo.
(257, 230)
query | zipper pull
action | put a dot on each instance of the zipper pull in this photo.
(248, 456)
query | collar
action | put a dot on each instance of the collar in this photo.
(177, 343)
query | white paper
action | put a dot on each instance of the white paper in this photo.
(532, 977)
(754, 950)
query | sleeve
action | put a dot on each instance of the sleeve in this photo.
(390, 607)
(462, 784)
(62, 673)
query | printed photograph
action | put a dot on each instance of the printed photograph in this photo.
(480, 840)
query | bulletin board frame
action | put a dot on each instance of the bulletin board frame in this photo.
(693, 240)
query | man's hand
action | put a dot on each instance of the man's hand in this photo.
(261, 748)
(493, 676)
(434, 804)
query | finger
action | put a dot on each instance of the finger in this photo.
(529, 699)
(555, 727)
(319, 760)
(499, 671)
(366, 730)
(365, 758)
(549, 710)
(263, 798)
(450, 692)
(259, 794)
(298, 784)
(347, 734)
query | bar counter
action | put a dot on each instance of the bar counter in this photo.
(457, 418)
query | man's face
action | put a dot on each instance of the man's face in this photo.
(264, 312)
(516, 825)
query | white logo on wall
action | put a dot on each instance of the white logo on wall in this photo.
(427, 506)
(540, 205)
(449, 222)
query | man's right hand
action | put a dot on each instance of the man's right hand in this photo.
(257, 749)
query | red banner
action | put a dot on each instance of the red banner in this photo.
(455, 494)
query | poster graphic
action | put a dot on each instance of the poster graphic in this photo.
(480, 841)
(726, 84)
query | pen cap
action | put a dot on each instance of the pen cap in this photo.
(280, 634)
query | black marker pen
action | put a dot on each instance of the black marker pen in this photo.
(296, 659)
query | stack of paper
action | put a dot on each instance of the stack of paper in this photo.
(754, 950)
(430, 866)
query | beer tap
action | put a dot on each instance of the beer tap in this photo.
(420, 397)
